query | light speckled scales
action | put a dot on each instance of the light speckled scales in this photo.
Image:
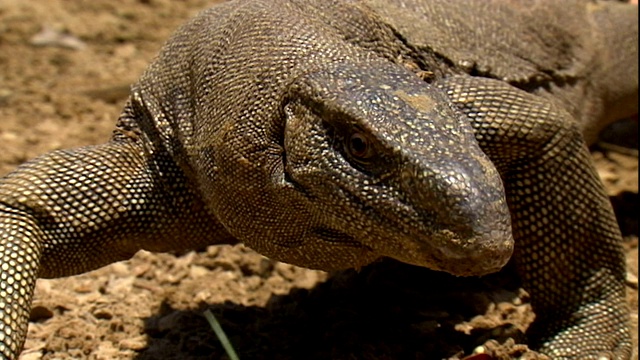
(205, 126)
(580, 54)
(72, 211)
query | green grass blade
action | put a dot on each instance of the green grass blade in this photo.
(215, 325)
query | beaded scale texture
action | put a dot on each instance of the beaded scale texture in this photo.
(331, 134)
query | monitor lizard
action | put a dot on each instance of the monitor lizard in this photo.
(445, 134)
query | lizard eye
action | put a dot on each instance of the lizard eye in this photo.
(359, 147)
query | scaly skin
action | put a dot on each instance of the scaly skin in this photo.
(331, 135)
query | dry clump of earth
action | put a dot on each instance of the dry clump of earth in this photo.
(65, 70)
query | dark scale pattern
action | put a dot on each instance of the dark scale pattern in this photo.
(301, 128)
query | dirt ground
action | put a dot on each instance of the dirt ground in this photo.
(64, 70)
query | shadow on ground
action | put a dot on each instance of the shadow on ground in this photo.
(386, 311)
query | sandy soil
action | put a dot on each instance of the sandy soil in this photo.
(69, 94)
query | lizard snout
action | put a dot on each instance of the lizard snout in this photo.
(470, 223)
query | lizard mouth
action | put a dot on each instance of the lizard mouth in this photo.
(337, 237)
(415, 238)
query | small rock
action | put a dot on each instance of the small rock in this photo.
(103, 314)
(120, 285)
(196, 271)
(37, 355)
(120, 269)
(631, 280)
(5, 95)
(137, 343)
(105, 351)
(52, 37)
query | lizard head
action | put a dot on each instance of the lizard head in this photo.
(374, 162)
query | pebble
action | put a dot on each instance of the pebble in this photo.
(51, 37)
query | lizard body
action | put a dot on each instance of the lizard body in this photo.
(329, 135)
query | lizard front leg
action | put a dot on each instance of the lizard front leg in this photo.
(568, 245)
(72, 211)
